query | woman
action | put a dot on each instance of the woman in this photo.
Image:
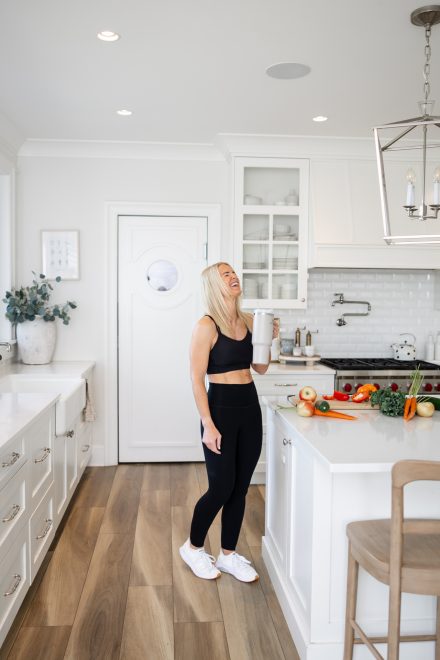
(221, 347)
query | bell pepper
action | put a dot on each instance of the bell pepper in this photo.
(368, 388)
(360, 396)
(340, 396)
(328, 397)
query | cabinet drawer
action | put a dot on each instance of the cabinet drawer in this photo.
(13, 506)
(280, 385)
(12, 457)
(41, 531)
(14, 580)
(40, 463)
(84, 447)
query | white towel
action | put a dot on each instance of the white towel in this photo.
(89, 413)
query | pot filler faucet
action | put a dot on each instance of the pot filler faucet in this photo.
(340, 300)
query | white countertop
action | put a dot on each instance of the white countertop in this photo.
(277, 369)
(18, 411)
(70, 369)
(371, 443)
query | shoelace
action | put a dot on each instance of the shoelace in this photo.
(240, 558)
(204, 559)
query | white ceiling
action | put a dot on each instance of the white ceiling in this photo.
(190, 69)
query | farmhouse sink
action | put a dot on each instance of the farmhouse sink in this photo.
(72, 394)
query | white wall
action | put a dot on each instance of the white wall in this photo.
(71, 193)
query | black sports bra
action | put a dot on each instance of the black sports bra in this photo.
(229, 354)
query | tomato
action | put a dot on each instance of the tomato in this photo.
(360, 396)
(328, 397)
(340, 396)
(368, 388)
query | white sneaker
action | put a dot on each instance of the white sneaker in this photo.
(201, 564)
(238, 566)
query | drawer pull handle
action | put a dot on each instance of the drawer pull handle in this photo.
(44, 456)
(14, 511)
(14, 458)
(70, 433)
(286, 384)
(46, 530)
(17, 579)
(85, 448)
(287, 441)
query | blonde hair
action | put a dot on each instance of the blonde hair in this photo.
(214, 290)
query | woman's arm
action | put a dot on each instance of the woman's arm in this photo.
(201, 343)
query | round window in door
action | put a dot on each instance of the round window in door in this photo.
(162, 275)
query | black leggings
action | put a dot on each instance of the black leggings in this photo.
(236, 413)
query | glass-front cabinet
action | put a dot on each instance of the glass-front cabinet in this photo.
(271, 216)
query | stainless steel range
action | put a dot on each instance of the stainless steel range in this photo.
(383, 372)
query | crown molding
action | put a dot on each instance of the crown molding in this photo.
(116, 149)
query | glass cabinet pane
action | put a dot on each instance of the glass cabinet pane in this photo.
(255, 286)
(270, 185)
(285, 227)
(285, 257)
(285, 287)
(255, 257)
(255, 227)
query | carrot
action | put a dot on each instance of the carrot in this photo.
(406, 408)
(412, 409)
(334, 414)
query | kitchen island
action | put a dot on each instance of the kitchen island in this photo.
(322, 474)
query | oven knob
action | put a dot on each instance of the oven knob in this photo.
(377, 386)
(347, 387)
(437, 387)
(428, 387)
(394, 387)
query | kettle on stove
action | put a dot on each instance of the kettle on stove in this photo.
(405, 351)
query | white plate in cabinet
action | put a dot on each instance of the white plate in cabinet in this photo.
(40, 464)
(12, 457)
(84, 448)
(14, 580)
(41, 531)
(13, 507)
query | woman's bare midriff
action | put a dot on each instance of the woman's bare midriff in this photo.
(239, 377)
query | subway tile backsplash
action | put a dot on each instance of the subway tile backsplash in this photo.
(401, 301)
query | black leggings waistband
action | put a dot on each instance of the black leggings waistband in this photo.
(233, 395)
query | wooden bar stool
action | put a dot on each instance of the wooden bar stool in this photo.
(405, 554)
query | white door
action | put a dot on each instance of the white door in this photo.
(159, 264)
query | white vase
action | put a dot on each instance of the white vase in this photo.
(36, 341)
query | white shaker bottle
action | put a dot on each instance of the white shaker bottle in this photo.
(262, 336)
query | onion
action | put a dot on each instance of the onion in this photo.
(425, 409)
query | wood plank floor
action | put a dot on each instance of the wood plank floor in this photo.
(114, 587)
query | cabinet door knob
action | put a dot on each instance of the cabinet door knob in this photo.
(46, 452)
(14, 458)
(17, 580)
(303, 300)
(14, 511)
(70, 434)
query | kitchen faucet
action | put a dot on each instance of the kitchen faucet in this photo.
(341, 301)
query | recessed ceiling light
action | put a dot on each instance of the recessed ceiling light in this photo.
(108, 35)
(320, 118)
(288, 70)
(124, 112)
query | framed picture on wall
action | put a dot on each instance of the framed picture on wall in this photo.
(60, 254)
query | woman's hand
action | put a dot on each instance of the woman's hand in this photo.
(212, 438)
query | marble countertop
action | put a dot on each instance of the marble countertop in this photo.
(70, 369)
(18, 411)
(371, 443)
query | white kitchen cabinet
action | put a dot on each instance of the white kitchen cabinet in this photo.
(13, 505)
(41, 532)
(60, 477)
(346, 218)
(14, 579)
(271, 230)
(40, 441)
(281, 381)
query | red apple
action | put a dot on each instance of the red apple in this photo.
(307, 393)
(305, 408)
